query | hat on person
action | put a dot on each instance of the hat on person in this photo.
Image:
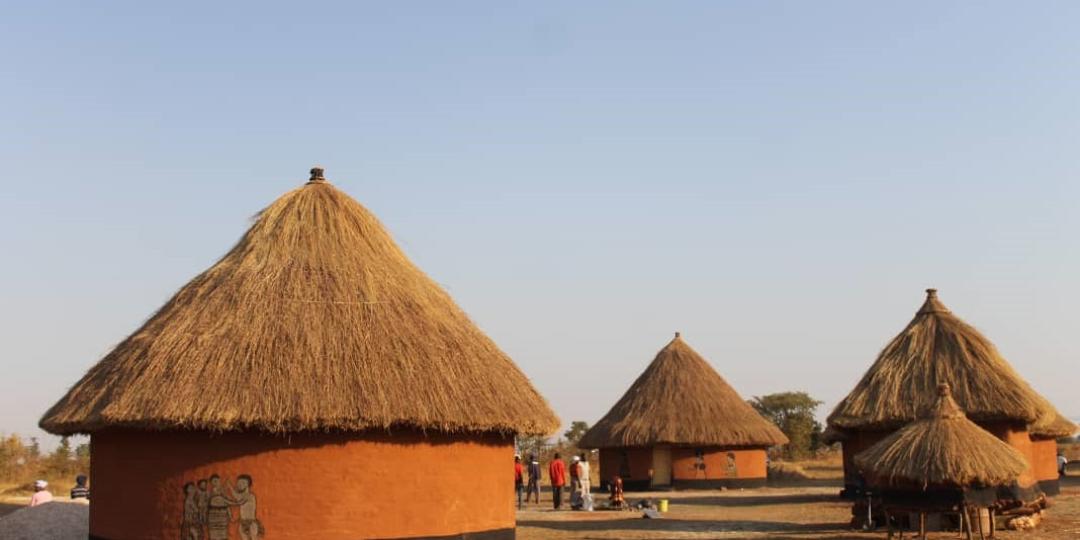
(40, 484)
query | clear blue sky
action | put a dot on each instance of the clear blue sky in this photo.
(778, 180)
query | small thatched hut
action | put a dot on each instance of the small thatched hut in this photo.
(935, 348)
(942, 462)
(681, 425)
(315, 367)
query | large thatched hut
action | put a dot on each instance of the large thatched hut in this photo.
(681, 425)
(935, 348)
(941, 463)
(313, 383)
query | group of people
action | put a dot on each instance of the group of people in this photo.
(42, 494)
(578, 473)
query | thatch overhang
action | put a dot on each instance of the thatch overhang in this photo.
(315, 320)
(942, 448)
(1053, 426)
(937, 347)
(681, 400)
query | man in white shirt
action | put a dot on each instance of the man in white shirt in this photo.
(1062, 462)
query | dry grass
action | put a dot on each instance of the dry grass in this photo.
(315, 320)
(681, 399)
(937, 347)
(943, 448)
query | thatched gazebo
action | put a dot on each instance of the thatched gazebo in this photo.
(313, 383)
(681, 425)
(941, 463)
(935, 348)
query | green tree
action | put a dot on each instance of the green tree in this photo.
(531, 444)
(59, 462)
(793, 413)
(576, 431)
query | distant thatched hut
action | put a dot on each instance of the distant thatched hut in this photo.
(941, 462)
(681, 425)
(935, 348)
(317, 367)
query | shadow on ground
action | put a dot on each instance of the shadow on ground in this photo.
(687, 525)
(7, 508)
(759, 500)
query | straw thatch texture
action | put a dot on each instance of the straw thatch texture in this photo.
(1053, 426)
(681, 399)
(315, 320)
(943, 448)
(937, 347)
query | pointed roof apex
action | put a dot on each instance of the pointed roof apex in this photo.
(678, 335)
(681, 399)
(946, 406)
(317, 174)
(932, 303)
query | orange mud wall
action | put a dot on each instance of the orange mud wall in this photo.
(1045, 452)
(1017, 437)
(747, 463)
(326, 486)
(620, 461)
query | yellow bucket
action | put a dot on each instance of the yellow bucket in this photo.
(663, 505)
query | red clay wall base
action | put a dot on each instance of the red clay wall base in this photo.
(326, 486)
(714, 468)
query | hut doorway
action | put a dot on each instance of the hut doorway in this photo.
(661, 459)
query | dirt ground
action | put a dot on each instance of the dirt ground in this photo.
(812, 510)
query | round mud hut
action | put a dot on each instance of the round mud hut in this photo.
(938, 348)
(944, 464)
(313, 383)
(681, 425)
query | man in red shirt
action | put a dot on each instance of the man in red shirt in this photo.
(557, 475)
(519, 484)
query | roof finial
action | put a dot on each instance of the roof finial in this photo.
(677, 334)
(317, 174)
(931, 292)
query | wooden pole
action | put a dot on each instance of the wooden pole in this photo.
(967, 517)
(922, 525)
(982, 534)
(960, 531)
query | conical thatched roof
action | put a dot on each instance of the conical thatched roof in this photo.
(937, 347)
(681, 399)
(1053, 427)
(943, 448)
(315, 320)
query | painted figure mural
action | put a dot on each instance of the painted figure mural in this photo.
(212, 505)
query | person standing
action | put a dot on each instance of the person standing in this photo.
(575, 483)
(557, 477)
(519, 481)
(80, 491)
(41, 495)
(583, 474)
(534, 479)
(1062, 462)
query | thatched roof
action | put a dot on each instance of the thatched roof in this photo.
(935, 348)
(943, 448)
(315, 320)
(1053, 426)
(681, 399)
